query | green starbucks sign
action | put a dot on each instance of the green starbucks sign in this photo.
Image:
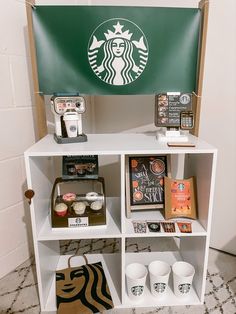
(116, 50)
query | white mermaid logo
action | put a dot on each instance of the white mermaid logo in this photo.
(120, 57)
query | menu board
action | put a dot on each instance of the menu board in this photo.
(147, 179)
(168, 107)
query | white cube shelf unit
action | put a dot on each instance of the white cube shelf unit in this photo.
(198, 161)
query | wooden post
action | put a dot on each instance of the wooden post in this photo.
(204, 6)
(41, 128)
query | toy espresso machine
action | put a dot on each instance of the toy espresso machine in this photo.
(68, 110)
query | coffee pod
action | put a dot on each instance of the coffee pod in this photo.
(185, 227)
(168, 226)
(183, 273)
(61, 209)
(97, 205)
(91, 196)
(79, 208)
(154, 226)
(136, 274)
(69, 197)
(140, 226)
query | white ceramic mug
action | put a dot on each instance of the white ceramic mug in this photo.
(159, 273)
(183, 273)
(71, 122)
(136, 274)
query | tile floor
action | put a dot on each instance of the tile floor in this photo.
(18, 290)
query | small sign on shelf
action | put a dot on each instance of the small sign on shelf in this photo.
(145, 182)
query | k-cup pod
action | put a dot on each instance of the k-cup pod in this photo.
(97, 205)
(185, 227)
(79, 208)
(183, 273)
(69, 197)
(159, 273)
(71, 122)
(91, 196)
(140, 226)
(168, 226)
(61, 209)
(154, 226)
(136, 274)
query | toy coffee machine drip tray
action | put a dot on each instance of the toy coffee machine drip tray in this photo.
(78, 203)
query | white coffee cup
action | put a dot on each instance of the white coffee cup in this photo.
(136, 274)
(71, 122)
(159, 273)
(183, 273)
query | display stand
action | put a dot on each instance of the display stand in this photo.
(199, 161)
(165, 135)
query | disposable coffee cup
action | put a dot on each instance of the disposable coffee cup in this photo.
(159, 273)
(183, 273)
(71, 122)
(136, 274)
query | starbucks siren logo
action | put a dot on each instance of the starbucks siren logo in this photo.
(118, 51)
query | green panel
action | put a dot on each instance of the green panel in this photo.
(116, 50)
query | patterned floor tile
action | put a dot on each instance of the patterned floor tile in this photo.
(26, 298)
(6, 301)
(34, 309)
(159, 310)
(229, 307)
(210, 302)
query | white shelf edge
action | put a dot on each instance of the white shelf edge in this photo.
(164, 235)
(197, 228)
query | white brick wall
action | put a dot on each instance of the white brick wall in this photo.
(17, 134)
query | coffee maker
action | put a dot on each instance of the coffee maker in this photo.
(67, 111)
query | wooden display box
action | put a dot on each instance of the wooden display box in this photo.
(83, 202)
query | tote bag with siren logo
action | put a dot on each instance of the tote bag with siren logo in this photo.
(82, 289)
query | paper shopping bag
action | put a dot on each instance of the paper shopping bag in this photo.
(82, 289)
